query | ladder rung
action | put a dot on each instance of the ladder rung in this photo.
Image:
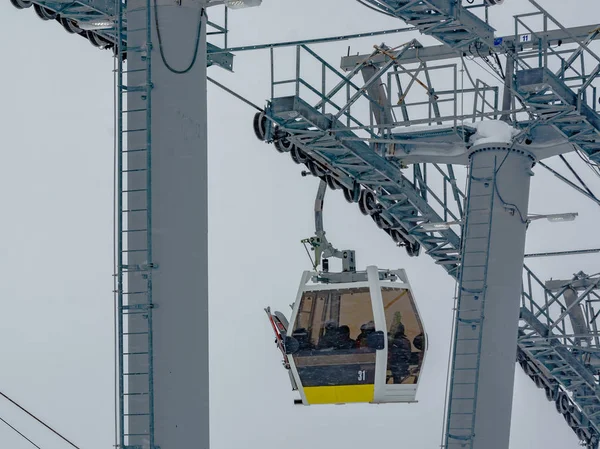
(135, 374)
(136, 414)
(134, 70)
(138, 49)
(134, 170)
(134, 151)
(134, 190)
(128, 111)
(134, 130)
(135, 394)
(135, 333)
(135, 293)
(135, 30)
(133, 230)
(137, 306)
(135, 353)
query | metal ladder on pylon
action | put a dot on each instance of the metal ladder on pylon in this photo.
(470, 319)
(134, 225)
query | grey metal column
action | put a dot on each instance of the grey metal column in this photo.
(165, 392)
(485, 338)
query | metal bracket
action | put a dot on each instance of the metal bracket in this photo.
(321, 246)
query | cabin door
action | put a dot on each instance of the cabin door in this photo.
(398, 366)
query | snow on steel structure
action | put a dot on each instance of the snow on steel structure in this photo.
(351, 133)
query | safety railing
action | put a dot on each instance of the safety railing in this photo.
(569, 62)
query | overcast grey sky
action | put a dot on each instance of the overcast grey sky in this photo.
(56, 329)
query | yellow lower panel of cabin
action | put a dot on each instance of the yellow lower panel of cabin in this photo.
(340, 394)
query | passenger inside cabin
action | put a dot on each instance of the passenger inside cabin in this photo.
(331, 336)
(344, 340)
(399, 354)
(365, 330)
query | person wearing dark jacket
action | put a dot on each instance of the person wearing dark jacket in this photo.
(399, 352)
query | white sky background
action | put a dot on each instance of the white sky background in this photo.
(56, 334)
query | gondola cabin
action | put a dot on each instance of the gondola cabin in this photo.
(354, 337)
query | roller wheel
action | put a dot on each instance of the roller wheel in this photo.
(298, 156)
(528, 369)
(563, 404)
(70, 26)
(92, 38)
(96, 40)
(352, 195)
(21, 4)
(283, 145)
(44, 13)
(332, 182)
(581, 434)
(538, 382)
(260, 126)
(315, 169)
(380, 221)
(592, 440)
(550, 393)
(570, 419)
(398, 237)
(367, 203)
(413, 249)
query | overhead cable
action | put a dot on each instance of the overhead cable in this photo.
(39, 420)
(236, 95)
(20, 433)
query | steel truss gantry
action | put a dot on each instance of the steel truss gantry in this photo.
(390, 138)
(355, 137)
(99, 21)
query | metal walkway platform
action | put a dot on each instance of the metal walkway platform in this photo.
(553, 102)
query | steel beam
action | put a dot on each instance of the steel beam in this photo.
(442, 52)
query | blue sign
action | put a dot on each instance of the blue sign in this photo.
(497, 41)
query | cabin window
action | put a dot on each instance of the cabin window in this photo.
(406, 341)
(332, 328)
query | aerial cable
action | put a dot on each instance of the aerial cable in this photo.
(593, 166)
(196, 46)
(236, 95)
(495, 75)
(20, 433)
(39, 420)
